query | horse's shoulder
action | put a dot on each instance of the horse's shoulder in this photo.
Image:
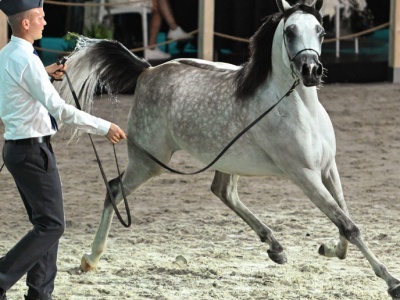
(206, 65)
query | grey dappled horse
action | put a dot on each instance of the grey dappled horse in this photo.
(199, 106)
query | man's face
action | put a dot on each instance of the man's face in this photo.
(36, 23)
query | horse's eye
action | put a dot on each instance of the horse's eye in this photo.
(291, 32)
(320, 32)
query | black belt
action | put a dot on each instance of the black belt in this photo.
(31, 141)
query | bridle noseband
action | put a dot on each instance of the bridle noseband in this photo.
(306, 49)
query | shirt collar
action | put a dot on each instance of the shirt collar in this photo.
(21, 42)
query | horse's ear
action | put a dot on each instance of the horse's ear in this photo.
(318, 4)
(283, 5)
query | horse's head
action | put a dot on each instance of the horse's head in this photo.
(303, 35)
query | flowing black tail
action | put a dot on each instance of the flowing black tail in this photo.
(103, 63)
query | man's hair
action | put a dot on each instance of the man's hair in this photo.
(15, 20)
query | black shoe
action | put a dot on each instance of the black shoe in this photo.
(3, 294)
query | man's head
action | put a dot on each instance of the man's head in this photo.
(26, 17)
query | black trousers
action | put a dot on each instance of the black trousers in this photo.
(35, 173)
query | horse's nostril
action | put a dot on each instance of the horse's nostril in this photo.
(319, 69)
(305, 70)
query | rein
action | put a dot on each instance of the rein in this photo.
(153, 158)
(150, 156)
(112, 199)
(297, 81)
(103, 174)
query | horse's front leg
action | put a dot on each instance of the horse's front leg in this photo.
(224, 186)
(332, 182)
(311, 183)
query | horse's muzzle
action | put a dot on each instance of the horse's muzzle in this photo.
(309, 69)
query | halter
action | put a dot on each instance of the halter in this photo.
(295, 8)
(294, 57)
(291, 59)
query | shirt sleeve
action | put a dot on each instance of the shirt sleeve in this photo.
(35, 81)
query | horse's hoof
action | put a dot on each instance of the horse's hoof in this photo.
(86, 266)
(328, 249)
(331, 249)
(321, 250)
(278, 257)
(394, 291)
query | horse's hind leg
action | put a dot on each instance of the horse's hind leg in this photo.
(134, 176)
(90, 260)
(224, 186)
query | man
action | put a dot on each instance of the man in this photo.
(29, 108)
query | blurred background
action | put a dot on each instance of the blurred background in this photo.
(236, 18)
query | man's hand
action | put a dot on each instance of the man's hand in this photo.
(55, 70)
(115, 134)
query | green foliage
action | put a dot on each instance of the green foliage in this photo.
(95, 30)
(70, 38)
(98, 31)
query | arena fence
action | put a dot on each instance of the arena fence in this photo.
(194, 32)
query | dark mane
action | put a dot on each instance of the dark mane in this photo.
(257, 69)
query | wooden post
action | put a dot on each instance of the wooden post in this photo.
(206, 29)
(394, 42)
(3, 29)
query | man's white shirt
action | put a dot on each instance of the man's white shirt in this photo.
(27, 97)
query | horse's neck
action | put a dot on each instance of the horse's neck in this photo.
(281, 73)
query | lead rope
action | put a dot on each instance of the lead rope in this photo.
(158, 161)
(103, 174)
(112, 199)
(296, 82)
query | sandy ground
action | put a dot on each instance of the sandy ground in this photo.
(177, 216)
